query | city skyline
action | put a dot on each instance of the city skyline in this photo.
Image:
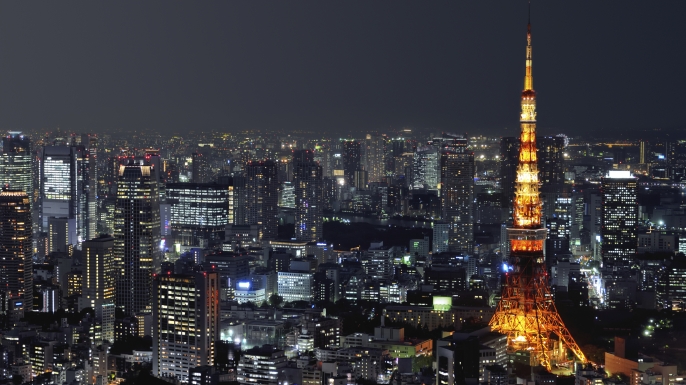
(172, 67)
(394, 255)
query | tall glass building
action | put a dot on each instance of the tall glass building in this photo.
(15, 163)
(426, 170)
(199, 212)
(68, 187)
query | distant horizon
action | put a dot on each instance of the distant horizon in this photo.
(650, 135)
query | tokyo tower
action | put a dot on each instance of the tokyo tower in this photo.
(526, 313)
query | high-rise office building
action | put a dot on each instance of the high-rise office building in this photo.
(136, 235)
(98, 288)
(351, 160)
(201, 168)
(509, 159)
(551, 160)
(394, 153)
(16, 163)
(558, 210)
(375, 147)
(619, 220)
(309, 196)
(90, 181)
(16, 269)
(61, 235)
(426, 168)
(261, 197)
(643, 149)
(186, 323)
(66, 188)
(457, 198)
(199, 212)
(441, 235)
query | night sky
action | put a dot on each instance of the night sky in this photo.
(353, 65)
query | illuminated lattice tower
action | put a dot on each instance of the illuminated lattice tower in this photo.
(526, 313)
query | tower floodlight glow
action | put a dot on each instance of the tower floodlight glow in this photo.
(526, 313)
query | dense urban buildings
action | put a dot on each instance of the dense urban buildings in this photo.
(382, 254)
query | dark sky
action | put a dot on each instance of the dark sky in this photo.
(353, 65)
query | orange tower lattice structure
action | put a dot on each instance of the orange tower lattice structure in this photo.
(526, 313)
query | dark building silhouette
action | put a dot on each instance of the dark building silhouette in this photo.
(309, 196)
(351, 160)
(550, 152)
(260, 197)
(201, 168)
(457, 197)
(509, 159)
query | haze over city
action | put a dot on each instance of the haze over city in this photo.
(325, 67)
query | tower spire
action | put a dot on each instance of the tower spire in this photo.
(528, 77)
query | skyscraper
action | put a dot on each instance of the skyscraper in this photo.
(351, 160)
(98, 289)
(551, 160)
(261, 194)
(426, 168)
(619, 220)
(16, 163)
(309, 196)
(186, 323)
(457, 198)
(66, 187)
(374, 157)
(136, 235)
(90, 143)
(201, 168)
(509, 159)
(16, 266)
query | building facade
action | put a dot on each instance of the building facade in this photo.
(16, 270)
(186, 323)
(457, 198)
(200, 212)
(619, 220)
(309, 196)
(136, 236)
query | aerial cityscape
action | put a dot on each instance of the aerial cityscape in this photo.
(409, 253)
